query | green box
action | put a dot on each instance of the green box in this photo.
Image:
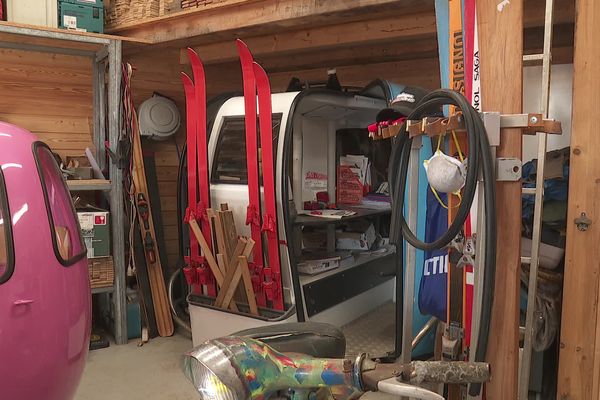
(93, 3)
(81, 17)
(95, 228)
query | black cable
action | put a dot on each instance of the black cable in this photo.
(479, 157)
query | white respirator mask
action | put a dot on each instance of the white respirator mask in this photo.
(445, 174)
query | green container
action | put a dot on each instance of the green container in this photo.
(81, 17)
(93, 3)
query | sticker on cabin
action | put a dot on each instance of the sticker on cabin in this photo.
(315, 180)
(86, 221)
(70, 22)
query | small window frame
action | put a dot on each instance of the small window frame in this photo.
(8, 235)
(77, 257)
(277, 119)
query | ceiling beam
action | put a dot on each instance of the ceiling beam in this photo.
(262, 17)
(322, 38)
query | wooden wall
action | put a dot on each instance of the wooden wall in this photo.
(50, 95)
(579, 368)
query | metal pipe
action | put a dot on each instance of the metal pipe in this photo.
(424, 331)
(410, 254)
(525, 369)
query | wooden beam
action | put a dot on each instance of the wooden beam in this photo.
(262, 17)
(579, 361)
(501, 50)
(322, 38)
(372, 53)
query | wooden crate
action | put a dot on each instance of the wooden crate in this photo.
(102, 272)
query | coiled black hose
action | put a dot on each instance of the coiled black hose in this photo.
(479, 157)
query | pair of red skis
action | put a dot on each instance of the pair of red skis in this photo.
(266, 278)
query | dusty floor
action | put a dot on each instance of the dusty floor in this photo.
(372, 333)
(152, 372)
(128, 372)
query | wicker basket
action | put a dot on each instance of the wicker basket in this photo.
(102, 272)
(121, 12)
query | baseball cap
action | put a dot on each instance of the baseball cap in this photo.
(403, 104)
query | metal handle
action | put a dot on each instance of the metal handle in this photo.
(23, 302)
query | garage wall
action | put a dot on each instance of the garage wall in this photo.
(158, 69)
(50, 95)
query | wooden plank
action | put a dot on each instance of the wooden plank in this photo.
(168, 174)
(168, 203)
(501, 50)
(412, 26)
(233, 278)
(212, 263)
(68, 43)
(247, 280)
(218, 233)
(50, 123)
(222, 263)
(229, 229)
(579, 361)
(371, 53)
(88, 184)
(262, 16)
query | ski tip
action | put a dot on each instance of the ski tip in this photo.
(193, 56)
(259, 71)
(243, 48)
(186, 80)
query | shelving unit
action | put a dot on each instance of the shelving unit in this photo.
(359, 260)
(104, 52)
(89, 184)
(308, 220)
(367, 270)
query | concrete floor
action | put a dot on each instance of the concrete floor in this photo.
(152, 371)
(129, 372)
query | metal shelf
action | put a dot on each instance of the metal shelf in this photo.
(308, 220)
(107, 289)
(89, 184)
(360, 259)
(102, 51)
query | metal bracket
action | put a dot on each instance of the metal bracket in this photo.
(491, 121)
(451, 342)
(583, 222)
(508, 169)
(468, 254)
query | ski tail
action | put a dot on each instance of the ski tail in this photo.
(254, 207)
(202, 186)
(272, 283)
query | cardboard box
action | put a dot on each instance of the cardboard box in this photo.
(362, 240)
(95, 228)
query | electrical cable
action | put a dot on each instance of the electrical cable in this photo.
(479, 157)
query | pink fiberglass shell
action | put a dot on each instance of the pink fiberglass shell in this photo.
(45, 305)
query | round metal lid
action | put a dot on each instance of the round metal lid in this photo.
(159, 118)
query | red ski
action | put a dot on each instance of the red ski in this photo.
(197, 149)
(253, 212)
(190, 108)
(272, 273)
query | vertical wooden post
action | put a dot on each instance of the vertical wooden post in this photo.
(579, 362)
(501, 51)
